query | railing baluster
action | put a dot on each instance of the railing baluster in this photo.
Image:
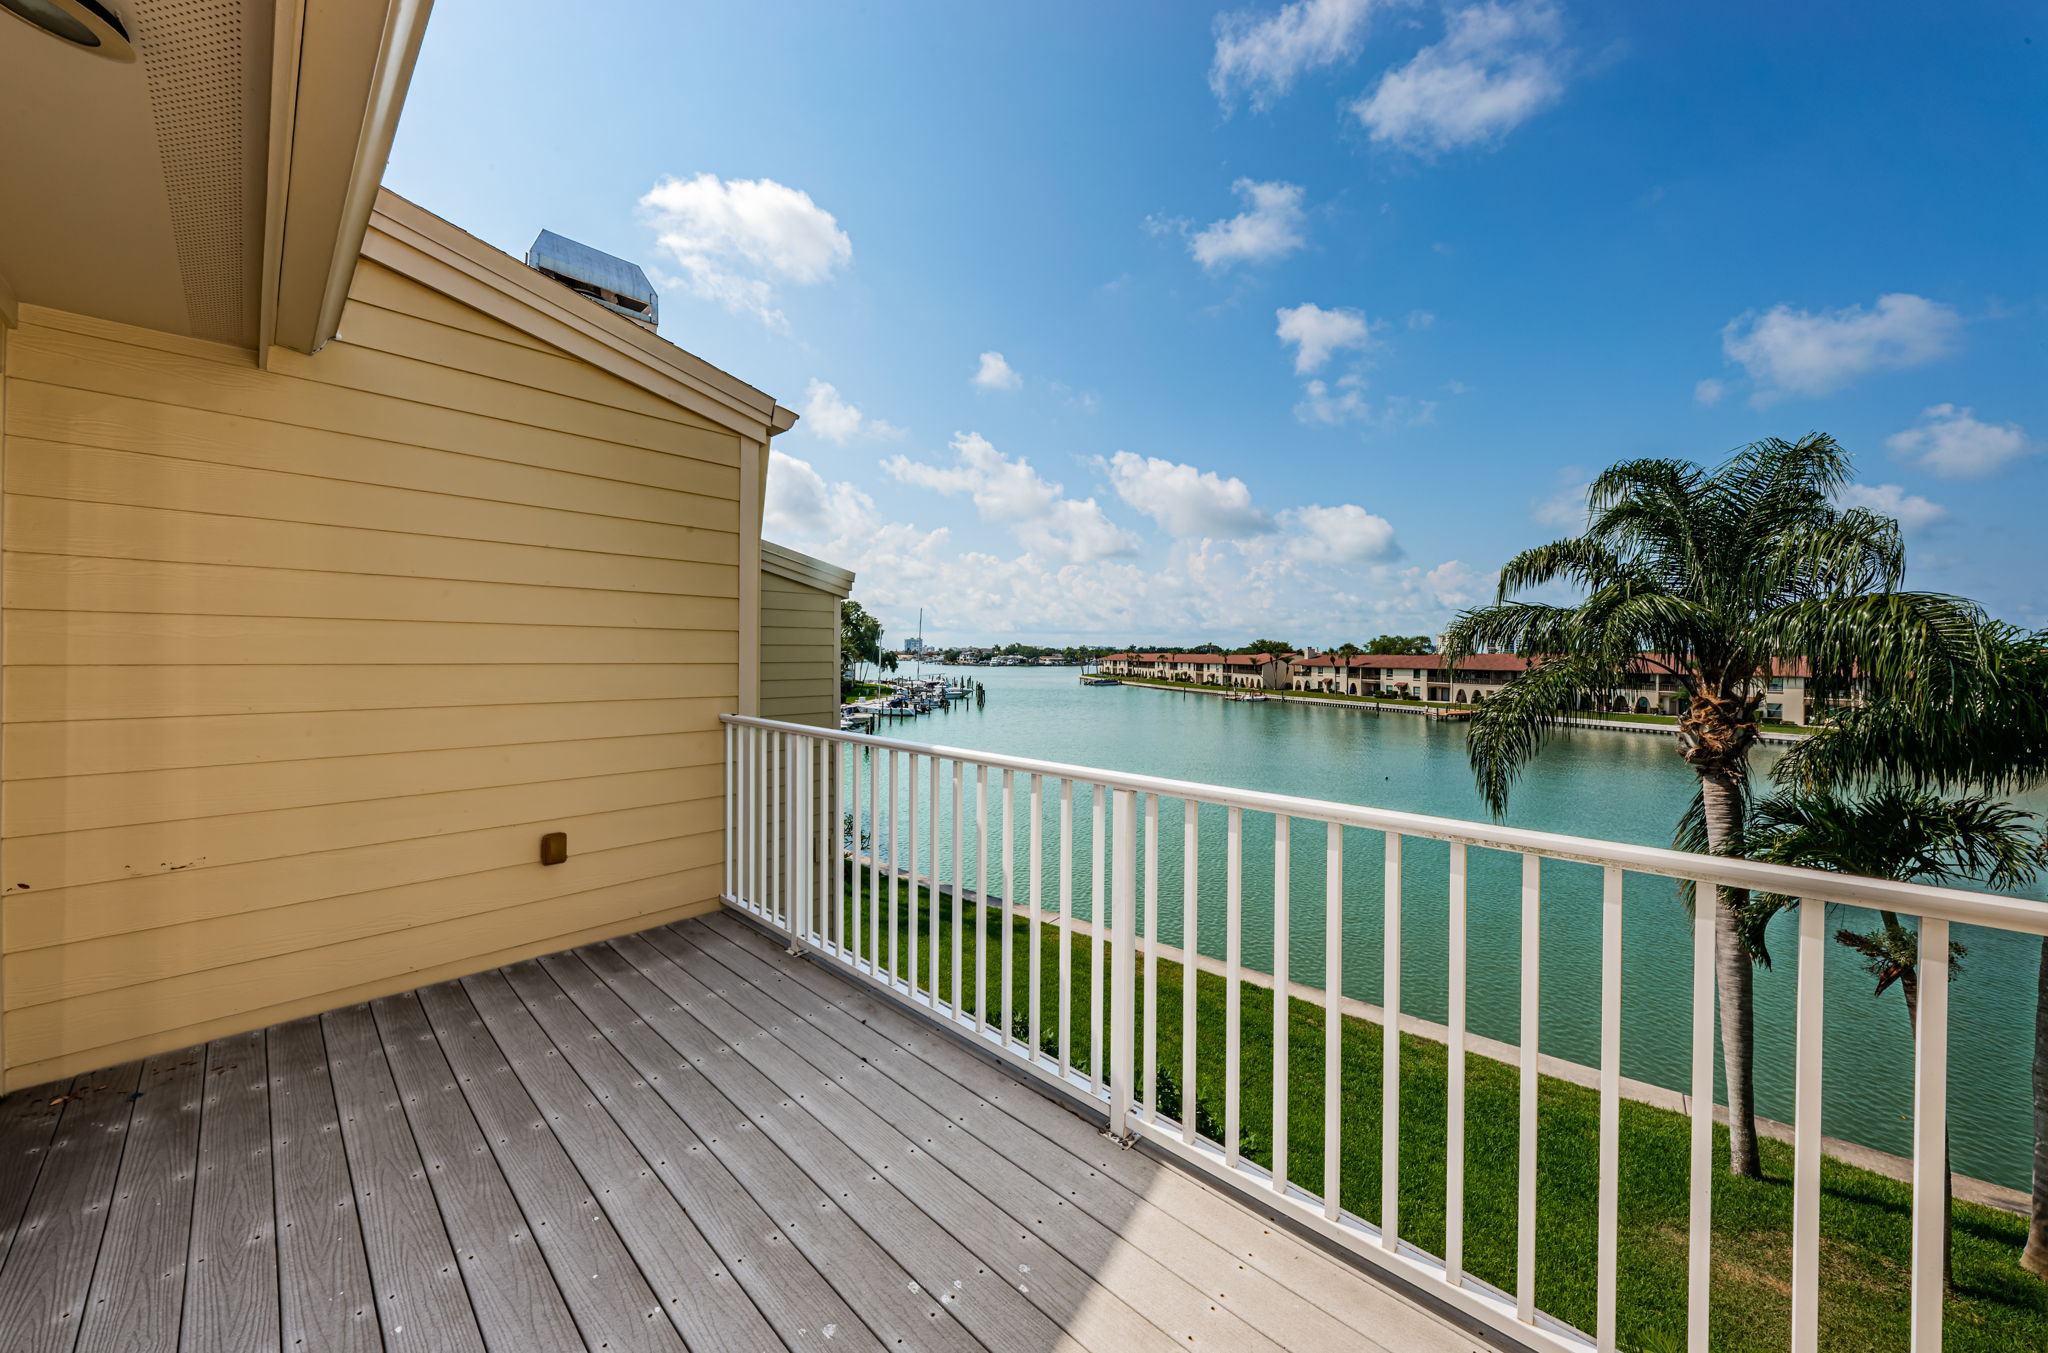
(1806, 1128)
(935, 893)
(981, 896)
(1233, 1035)
(1037, 862)
(778, 795)
(1930, 1135)
(1009, 904)
(1531, 1038)
(1700, 1239)
(799, 841)
(732, 795)
(1454, 1083)
(1066, 964)
(842, 822)
(959, 871)
(1190, 939)
(1390, 1054)
(895, 863)
(872, 910)
(1098, 799)
(1123, 988)
(1610, 1106)
(1152, 958)
(1333, 1019)
(917, 831)
(1281, 945)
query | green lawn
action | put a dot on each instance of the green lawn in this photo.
(1993, 1306)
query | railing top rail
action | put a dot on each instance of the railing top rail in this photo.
(1913, 899)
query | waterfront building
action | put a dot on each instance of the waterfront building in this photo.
(1246, 671)
(1423, 677)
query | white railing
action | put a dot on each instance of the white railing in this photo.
(829, 833)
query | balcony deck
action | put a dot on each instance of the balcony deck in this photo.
(678, 1139)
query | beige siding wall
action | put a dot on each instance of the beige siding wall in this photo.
(299, 665)
(799, 652)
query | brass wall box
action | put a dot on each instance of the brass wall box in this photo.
(554, 848)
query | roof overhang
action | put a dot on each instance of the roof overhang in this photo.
(409, 239)
(784, 562)
(216, 187)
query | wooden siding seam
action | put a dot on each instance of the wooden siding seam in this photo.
(393, 531)
(77, 353)
(89, 444)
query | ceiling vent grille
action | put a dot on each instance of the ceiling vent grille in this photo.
(192, 52)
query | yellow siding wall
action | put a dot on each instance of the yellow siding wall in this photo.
(799, 652)
(299, 664)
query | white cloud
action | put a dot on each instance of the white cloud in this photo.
(1914, 513)
(1454, 584)
(1800, 352)
(1268, 228)
(1421, 319)
(800, 505)
(1262, 56)
(1499, 64)
(1708, 392)
(1012, 494)
(1346, 534)
(737, 240)
(1317, 332)
(1323, 575)
(1188, 503)
(826, 414)
(996, 374)
(1345, 402)
(1953, 444)
(1565, 508)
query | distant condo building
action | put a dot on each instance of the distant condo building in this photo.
(1423, 677)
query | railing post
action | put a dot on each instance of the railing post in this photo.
(1124, 964)
(1930, 1137)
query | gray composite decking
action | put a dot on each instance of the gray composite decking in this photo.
(682, 1139)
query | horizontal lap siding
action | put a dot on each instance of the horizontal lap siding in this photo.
(300, 664)
(799, 652)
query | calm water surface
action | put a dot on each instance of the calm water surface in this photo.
(1617, 786)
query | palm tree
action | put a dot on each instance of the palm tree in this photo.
(1716, 579)
(1895, 832)
(1991, 735)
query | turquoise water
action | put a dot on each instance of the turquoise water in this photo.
(1617, 786)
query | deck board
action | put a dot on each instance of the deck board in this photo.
(50, 1268)
(138, 1288)
(28, 1123)
(516, 1300)
(1299, 1267)
(613, 1304)
(1081, 1240)
(231, 1274)
(891, 1303)
(681, 1140)
(789, 1293)
(1083, 1180)
(324, 1295)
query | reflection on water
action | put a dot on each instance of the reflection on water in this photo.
(1616, 786)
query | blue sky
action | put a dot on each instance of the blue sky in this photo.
(1166, 323)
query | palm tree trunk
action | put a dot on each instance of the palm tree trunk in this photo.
(1735, 976)
(2035, 1258)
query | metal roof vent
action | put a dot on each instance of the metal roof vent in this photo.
(83, 23)
(613, 283)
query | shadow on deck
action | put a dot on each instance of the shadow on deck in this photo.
(678, 1139)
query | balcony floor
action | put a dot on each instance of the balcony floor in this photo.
(678, 1139)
